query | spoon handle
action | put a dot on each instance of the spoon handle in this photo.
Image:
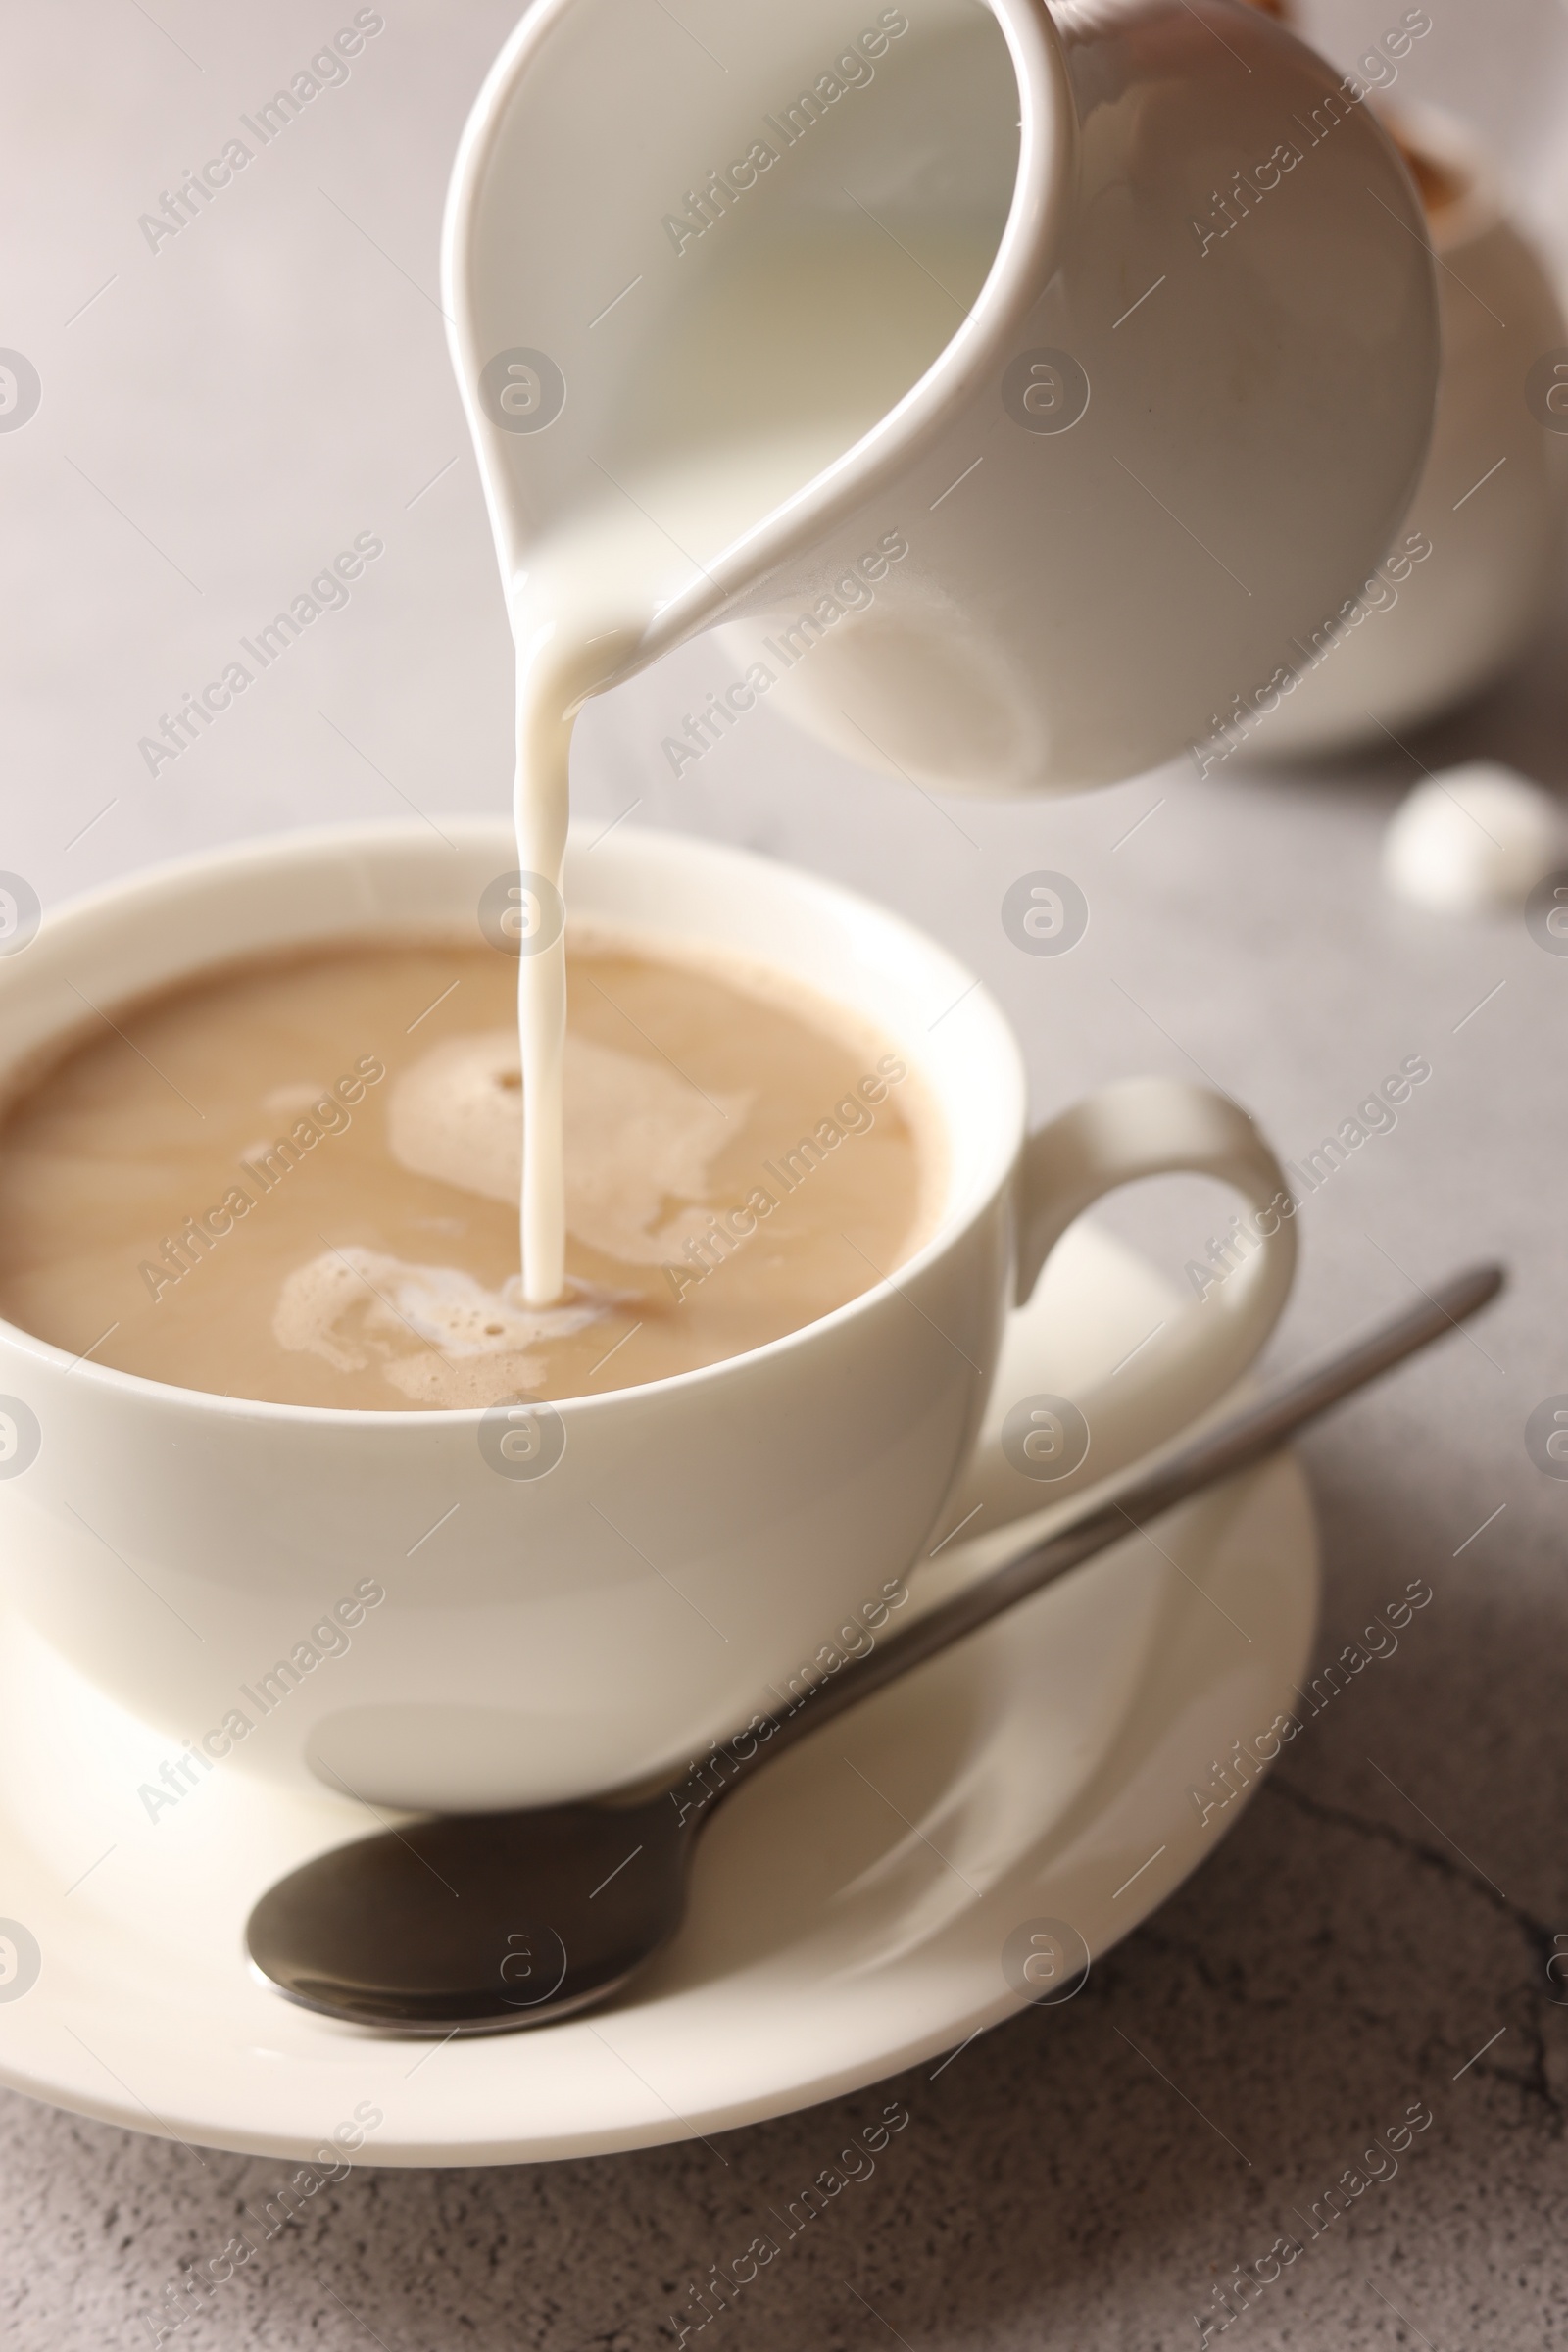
(1236, 1445)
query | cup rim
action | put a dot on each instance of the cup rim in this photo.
(843, 905)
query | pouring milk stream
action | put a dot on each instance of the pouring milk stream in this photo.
(743, 302)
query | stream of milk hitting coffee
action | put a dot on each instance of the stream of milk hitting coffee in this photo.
(595, 582)
(577, 619)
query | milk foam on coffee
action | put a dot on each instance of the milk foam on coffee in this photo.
(297, 1180)
(635, 1136)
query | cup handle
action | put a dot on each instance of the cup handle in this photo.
(1144, 1127)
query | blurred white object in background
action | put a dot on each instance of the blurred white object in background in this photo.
(1487, 518)
(1510, 87)
(1475, 839)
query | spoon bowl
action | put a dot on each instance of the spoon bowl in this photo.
(477, 1923)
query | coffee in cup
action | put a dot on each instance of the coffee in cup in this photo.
(296, 1178)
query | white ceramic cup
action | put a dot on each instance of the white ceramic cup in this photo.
(1136, 458)
(558, 1621)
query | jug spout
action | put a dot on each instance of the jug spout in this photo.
(1016, 386)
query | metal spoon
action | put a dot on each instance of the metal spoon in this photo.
(481, 1923)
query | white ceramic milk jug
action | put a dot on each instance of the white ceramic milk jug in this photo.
(1017, 385)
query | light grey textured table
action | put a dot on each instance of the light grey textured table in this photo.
(220, 417)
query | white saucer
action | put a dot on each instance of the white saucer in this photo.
(848, 1914)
